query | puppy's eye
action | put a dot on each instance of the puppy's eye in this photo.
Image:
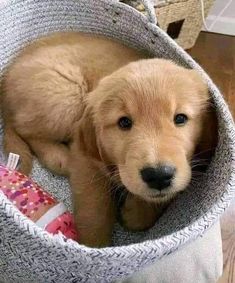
(180, 119)
(125, 123)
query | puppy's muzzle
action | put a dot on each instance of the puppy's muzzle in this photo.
(159, 177)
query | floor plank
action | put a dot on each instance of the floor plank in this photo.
(216, 54)
(228, 237)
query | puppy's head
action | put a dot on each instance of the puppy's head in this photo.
(148, 119)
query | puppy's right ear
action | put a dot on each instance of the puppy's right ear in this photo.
(85, 135)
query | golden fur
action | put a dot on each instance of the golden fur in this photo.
(63, 97)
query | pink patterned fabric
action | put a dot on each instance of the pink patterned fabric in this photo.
(33, 202)
(64, 224)
(26, 195)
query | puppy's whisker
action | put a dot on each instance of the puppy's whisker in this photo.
(197, 175)
(198, 163)
(197, 166)
(96, 179)
(123, 194)
(199, 160)
(196, 179)
(203, 151)
(113, 190)
(114, 174)
(114, 177)
(197, 172)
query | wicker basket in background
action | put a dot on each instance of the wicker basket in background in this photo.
(181, 19)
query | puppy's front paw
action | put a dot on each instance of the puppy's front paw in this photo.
(57, 161)
(96, 243)
(139, 215)
(59, 167)
(94, 238)
(25, 167)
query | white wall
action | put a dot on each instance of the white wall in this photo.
(226, 22)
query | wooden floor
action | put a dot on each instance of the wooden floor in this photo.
(216, 54)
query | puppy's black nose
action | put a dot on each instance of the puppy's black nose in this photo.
(159, 177)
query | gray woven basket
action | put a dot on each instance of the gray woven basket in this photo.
(29, 254)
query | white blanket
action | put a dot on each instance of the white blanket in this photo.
(201, 261)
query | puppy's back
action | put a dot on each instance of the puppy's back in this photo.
(50, 77)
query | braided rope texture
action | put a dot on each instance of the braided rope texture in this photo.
(29, 254)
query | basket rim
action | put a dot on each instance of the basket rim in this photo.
(149, 246)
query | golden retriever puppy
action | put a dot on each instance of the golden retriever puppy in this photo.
(140, 128)
(98, 112)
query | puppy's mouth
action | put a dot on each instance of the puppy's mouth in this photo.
(161, 196)
(158, 197)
